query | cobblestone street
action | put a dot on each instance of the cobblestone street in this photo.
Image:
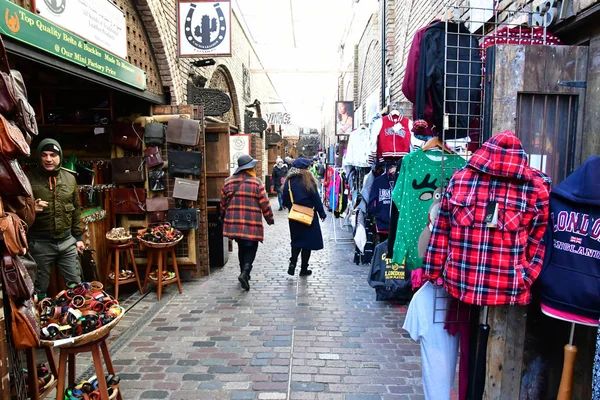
(321, 337)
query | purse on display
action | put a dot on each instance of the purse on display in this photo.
(129, 201)
(154, 134)
(127, 170)
(186, 189)
(13, 180)
(30, 266)
(89, 268)
(127, 135)
(25, 325)
(153, 157)
(158, 208)
(17, 282)
(23, 206)
(156, 181)
(184, 162)
(13, 232)
(183, 131)
(183, 219)
(12, 141)
(298, 213)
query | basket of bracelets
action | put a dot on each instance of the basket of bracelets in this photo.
(89, 389)
(118, 236)
(160, 236)
(79, 315)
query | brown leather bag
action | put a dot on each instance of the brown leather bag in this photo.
(158, 208)
(23, 206)
(183, 131)
(13, 180)
(128, 170)
(17, 282)
(13, 232)
(12, 141)
(128, 135)
(186, 189)
(25, 325)
(153, 157)
(129, 201)
(13, 96)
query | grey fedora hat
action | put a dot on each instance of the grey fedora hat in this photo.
(245, 162)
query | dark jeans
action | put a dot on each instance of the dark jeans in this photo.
(280, 198)
(305, 255)
(246, 251)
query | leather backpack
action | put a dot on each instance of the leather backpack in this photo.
(13, 232)
(12, 141)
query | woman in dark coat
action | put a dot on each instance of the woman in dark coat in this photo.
(304, 192)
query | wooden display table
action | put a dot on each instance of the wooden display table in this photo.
(115, 251)
(32, 375)
(160, 254)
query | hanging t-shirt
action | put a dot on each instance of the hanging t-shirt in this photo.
(417, 188)
(381, 200)
(439, 349)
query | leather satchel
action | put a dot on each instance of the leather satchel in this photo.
(158, 208)
(17, 282)
(127, 170)
(186, 189)
(23, 206)
(89, 269)
(12, 141)
(185, 162)
(129, 201)
(183, 219)
(25, 325)
(183, 131)
(154, 134)
(153, 157)
(156, 181)
(128, 135)
(13, 232)
(13, 180)
(302, 214)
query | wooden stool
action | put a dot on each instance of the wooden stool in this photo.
(116, 250)
(161, 255)
(32, 375)
(94, 348)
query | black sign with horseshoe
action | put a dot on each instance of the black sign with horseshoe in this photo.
(200, 35)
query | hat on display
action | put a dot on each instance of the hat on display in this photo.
(301, 163)
(245, 162)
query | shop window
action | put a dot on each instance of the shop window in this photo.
(546, 125)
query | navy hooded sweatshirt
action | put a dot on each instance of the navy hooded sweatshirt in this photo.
(570, 278)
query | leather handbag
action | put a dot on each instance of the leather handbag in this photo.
(13, 96)
(12, 141)
(298, 213)
(13, 232)
(158, 208)
(156, 181)
(184, 162)
(186, 189)
(154, 134)
(128, 135)
(31, 266)
(89, 269)
(127, 170)
(183, 131)
(13, 180)
(153, 157)
(183, 219)
(25, 325)
(129, 201)
(17, 281)
(23, 206)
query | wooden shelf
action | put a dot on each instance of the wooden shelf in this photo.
(74, 126)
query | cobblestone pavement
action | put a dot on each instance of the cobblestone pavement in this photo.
(320, 337)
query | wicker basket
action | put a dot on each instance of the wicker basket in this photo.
(159, 245)
(120, 241)
(88, 337)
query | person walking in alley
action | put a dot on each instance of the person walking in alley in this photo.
(301, 188)
(244, 202)
(279, 173)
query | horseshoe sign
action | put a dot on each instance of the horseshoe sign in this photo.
(204, 28)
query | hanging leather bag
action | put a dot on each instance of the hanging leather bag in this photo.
(89, 269)
(13, 232)
(12, 141)
(298, 213)
(154, 134)
(13, 96)
(23, 206)
(13, 180)
(186, 189)
(184, 219)
(129, 201)
(127, 135)
(25, 325)
(156, 181)
(17, 281)
(127, 170)
(183, 131)
(158, 208)
(184, 162)
(153, 157)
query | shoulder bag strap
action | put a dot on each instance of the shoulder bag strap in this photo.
(290, 190)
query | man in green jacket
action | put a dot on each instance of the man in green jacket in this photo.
(55, 238)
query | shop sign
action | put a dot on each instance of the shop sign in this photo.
(38, 32)
(238, 146)
(98, 21)
(204, 28)
(279, 118)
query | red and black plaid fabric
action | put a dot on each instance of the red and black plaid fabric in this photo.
(491, 265)
(244, 212)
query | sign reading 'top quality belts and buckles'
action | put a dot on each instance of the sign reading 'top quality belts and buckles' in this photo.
(204, 28)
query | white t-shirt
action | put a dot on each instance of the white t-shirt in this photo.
(439, 349)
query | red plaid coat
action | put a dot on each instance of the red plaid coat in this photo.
(244, 211)
(483, 265)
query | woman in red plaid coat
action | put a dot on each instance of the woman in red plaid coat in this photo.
(244, 202)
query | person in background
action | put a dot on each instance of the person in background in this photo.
(280, 171)
(288, 161)
(56, 236)
(244, 203)
(301, 185)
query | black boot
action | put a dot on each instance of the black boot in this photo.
(242, 269)
(304, 271)
(244, 276)
(292, 268)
